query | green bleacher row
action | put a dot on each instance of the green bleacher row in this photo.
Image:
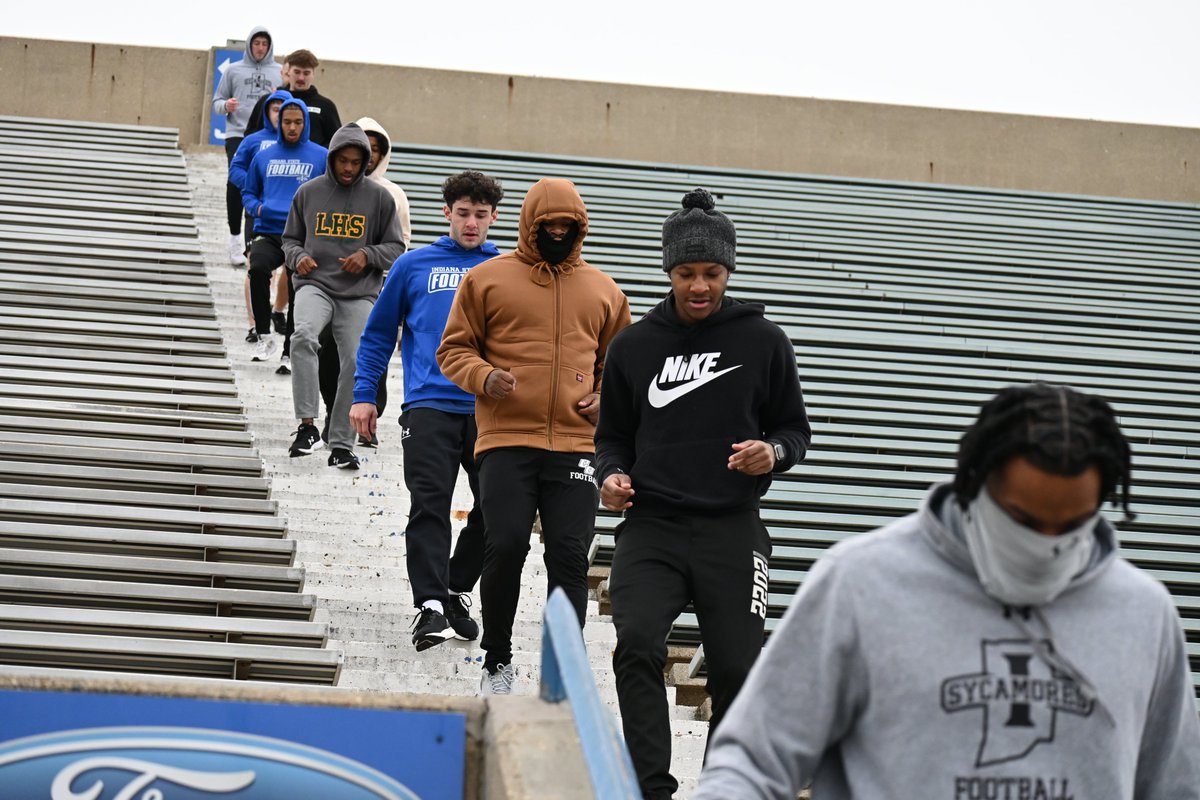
(909, 306)
(137, 531)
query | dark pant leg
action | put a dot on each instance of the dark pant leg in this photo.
(330, 367)
(291, 315)
(567, 504)
(648, 589)
(729, 567)
(233, 195)
(381, 395)
(508, 482)
(431, 445)
(466, 564)
(266, 253)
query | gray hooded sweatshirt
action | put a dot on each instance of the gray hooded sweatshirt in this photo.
(328, 221)
(893, 675)
(247, 80)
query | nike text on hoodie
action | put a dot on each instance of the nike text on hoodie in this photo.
(677, 397)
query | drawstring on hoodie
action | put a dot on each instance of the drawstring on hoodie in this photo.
(547, 270)
(1044, 647)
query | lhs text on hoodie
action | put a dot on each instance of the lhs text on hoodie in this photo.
(329, 221)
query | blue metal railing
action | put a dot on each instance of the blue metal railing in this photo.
(567, 675)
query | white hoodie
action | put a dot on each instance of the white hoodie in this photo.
(893, 675)
(379, 176)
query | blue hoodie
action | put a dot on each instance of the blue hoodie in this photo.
(259, 140)
(417, 294)
(277, 173)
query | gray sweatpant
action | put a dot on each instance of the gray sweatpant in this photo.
(314, 309)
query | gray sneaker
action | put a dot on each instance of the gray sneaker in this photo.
(498, 682)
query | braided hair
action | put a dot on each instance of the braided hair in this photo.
(1059, 430)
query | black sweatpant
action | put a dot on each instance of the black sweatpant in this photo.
(435, 444)
(233, 195)
(719, 564)
(517, 483)
(329, 367)
(266, 254)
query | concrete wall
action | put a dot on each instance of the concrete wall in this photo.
(156, 86)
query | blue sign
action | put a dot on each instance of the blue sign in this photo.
(222, 60)
(72, 746)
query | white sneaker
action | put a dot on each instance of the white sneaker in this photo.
(285, 366)
(265, 348)
(237, 248)
(498, 682)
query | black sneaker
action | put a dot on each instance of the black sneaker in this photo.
(252, 336)
(343, 458)
(279, 322)
(431, 629)
(373, 442)
(307, 442)
(459, 618)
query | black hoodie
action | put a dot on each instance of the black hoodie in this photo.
(676, 397)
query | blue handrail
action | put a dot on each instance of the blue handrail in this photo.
(567, 675)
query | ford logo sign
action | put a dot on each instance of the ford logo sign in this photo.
(151, 763)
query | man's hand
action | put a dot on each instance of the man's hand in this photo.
(616, 491)
(589, 407)
(752, 457)
(363, 417)
(231, 105)
(499, 384)
(354, 263)
(305, 265)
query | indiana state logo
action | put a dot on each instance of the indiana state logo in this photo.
(1019, 697)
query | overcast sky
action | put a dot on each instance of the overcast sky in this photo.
(1131, 61)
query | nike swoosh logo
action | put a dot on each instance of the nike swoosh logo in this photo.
(659, 398)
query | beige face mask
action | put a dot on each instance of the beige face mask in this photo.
(1017, 565)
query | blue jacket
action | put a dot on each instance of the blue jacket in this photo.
(259, 140)
(417, 295)
(277, 173)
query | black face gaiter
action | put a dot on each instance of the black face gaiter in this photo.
(555, 252)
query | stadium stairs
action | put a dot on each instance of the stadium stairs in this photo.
(909, 305)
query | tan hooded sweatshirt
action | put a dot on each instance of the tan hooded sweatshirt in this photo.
(549, 325)
(379, 175)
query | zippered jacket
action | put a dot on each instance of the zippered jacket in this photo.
(548, 324)
(676, 397)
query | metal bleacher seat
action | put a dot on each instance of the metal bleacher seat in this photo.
(137, 530)
(909, 305)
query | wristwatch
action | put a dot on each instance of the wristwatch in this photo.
(780, 453)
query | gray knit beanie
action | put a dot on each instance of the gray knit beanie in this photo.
(698, 233)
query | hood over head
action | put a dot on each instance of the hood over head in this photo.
(369, 125)
(307, 124)
(548, 199)
(278, 94)
(270, 56)
(349, 135)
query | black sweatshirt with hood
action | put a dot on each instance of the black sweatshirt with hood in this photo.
(677, 396)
